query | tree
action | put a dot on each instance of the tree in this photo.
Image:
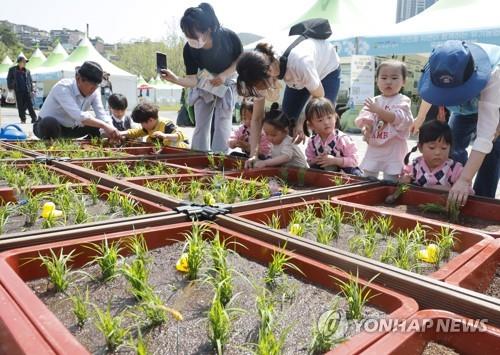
(139, 57)
(9, 43)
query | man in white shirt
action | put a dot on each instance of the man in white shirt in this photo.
(66, 111)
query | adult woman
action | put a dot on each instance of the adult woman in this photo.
(313, 69)
(215, 49)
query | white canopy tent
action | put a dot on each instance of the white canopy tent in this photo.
(469, 20)
(4, 69)
(122, 81)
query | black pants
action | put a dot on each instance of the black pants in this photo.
(23, 101)
(50, 128)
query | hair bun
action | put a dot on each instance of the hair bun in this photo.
(275, 106)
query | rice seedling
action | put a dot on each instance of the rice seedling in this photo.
(158, 146)
(238, 164)
(401, 189)
(114, 199)
(137, 275)
(110, 327)
(445, 241)
(219, 325)
(137, 245)
(211, 162)
(384, 225)
(153, 307)
(107, 255)
(274, 221)
(57, 268)
(324, 330)
(406, 250)
(277, 266)
(356, 295)
(357, 220)
(337, 180)
(93, 192)
(81, 214)
(195, 249)
(31, 208)
(389, 253)
(265, 309)
(324, 233)
(50, 222)
(454, 212)
(138, 345)
(222, 280)
(129, 206)
(80, 306)
(433, 208)
(333, 216)
(269, 344)
(5, 212)
(366, 243)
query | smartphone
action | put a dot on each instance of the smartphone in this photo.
(161, 61)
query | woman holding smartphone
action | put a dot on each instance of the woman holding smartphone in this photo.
(214, 49)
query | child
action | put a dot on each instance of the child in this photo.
(328, 148)
(240, 138)
(146, 114)
(434, 168)
(276, 126)
(117, 106)
(385, 122)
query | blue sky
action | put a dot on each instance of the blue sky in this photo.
(122, 20)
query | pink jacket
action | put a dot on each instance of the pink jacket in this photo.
(338, 144)
(399, 129)
(243, 134)
(444, 175)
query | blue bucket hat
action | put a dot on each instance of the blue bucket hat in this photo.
(456, 72)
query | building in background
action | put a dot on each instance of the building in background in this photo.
(410, 8)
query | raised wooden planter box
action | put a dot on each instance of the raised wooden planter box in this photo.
(464, 335)
(468, 242)
(486, 211)
(45, 331)
(479, 272)
(300, 179)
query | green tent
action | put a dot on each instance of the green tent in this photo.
(6, 64)
(36, 59)
(57, 55)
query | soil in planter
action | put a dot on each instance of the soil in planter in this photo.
(96, 212)
(348, 232)
(494, 288)
(433, 348)
(298, 307)
(464, 220)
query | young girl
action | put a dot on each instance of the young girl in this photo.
(433, 168)
(240, 138)
(283, 153)
(385, 121)
(328, 148)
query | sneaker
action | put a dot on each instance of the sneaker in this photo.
(23, 121)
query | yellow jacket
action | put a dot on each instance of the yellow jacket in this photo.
(165, 126)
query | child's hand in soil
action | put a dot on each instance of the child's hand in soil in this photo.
(159, 134)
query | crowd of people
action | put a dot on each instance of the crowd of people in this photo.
(464, 77)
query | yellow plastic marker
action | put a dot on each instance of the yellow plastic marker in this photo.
(49, 210)
(182, 263)
(429, 254)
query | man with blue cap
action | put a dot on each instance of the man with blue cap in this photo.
(465, 77)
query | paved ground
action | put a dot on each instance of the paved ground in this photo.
(9, 115)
